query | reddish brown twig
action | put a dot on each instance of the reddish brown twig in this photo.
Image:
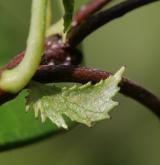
(87, 10)
(54, 49)
(46, 74)
(61, 73)
(55, 52)
(94, 22)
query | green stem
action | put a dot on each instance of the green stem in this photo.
(49, 14)
(14, 80)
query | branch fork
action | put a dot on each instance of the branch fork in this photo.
(60, 61)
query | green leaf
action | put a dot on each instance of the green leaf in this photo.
(18, 128)
(84, 104)
(69, 9)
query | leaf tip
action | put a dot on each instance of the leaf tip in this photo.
(119, 73)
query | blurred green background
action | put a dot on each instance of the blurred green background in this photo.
(132, 136)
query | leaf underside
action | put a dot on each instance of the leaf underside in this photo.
(84, 104)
